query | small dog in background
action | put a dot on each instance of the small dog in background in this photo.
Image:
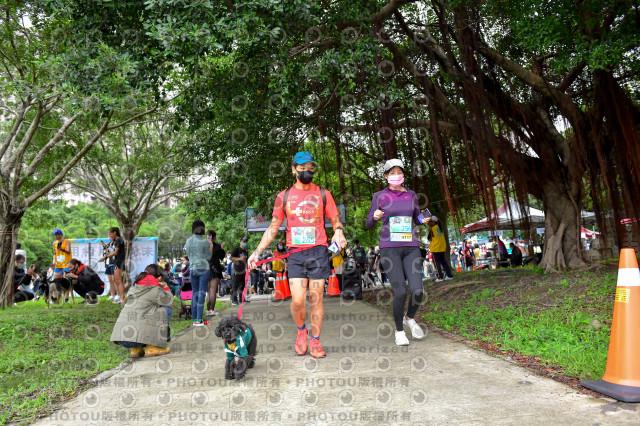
(63, 287)
(240, 345)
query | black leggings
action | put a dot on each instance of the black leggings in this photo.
(93, 290)
(442, 266)
(403, 264)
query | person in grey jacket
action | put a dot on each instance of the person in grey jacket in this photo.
(199, 251)
(143, 324)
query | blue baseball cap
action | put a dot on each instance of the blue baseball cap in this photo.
(303, 157)
(57, 232)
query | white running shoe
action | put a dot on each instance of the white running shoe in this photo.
(110, 298)
(401, 338)
(416, 330)
(448, 278)
(439, 280)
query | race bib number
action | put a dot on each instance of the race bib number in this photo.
(60, 258)
(400, 228)
(397, 236)
(303, 235)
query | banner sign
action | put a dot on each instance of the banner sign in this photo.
(144, 252)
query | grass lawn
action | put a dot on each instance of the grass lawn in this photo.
(557, 324)
(48, 355)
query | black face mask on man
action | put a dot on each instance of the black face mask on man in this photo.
(305, 176)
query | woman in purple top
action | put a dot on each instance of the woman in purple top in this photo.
(400, 256)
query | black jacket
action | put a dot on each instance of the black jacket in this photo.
(20, 278)
(217, 255)
(88, 278)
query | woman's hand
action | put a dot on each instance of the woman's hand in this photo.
(426, 219)
(71, 275)
(102, 259)
(378, 214)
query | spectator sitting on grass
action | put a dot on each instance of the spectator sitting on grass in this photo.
(21, 280)
(171, 280)
(143, 324)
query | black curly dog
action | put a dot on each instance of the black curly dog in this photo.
(229, 328)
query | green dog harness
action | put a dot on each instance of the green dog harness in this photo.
(240, 348)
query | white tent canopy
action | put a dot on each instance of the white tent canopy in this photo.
(507, 214)
(513, 214)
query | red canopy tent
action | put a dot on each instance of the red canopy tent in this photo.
(587, 233)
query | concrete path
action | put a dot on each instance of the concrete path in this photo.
(365, 379)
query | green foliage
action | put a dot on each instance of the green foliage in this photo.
(560, 330)
(600, 33)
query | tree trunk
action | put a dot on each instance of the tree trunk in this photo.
(9, 237)
(129, 232)
(562, 244)
(386, 131)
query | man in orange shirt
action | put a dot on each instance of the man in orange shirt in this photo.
(305, 206)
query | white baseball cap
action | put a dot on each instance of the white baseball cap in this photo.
(434, 218)
(390, 164)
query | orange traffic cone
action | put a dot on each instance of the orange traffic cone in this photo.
(282, 287)
(285, 286)
(458, 268)
(621, 379)
(334, 286)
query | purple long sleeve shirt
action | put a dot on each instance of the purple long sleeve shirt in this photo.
(400, 217)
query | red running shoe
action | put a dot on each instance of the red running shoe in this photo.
(301, 342)
(316, 349)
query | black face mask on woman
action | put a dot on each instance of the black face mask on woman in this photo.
(305, 176)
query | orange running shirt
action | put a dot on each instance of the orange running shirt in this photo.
(305, 218)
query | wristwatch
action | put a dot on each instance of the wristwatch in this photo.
(340, 228)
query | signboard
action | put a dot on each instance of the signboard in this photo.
(256, 222)
(496, 233)
(144, 252)
(540, 230)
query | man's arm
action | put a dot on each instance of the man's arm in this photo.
(269, 235)
(267, 238)
(338, 235)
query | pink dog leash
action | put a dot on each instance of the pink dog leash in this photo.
(246, 275)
